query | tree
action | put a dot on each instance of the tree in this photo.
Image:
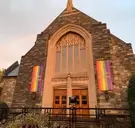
(131, 99)
(1, 74)
(3, 111)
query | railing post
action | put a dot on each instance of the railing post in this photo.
(49, 120)
(70, 117)
(74, 117)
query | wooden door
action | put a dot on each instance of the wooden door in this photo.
(60, 100)
(82, 101)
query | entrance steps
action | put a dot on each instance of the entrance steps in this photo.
(80, 122)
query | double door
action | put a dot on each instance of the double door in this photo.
(82, 104)
(60, 100)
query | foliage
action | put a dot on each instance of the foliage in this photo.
(1, 74)
(91, 126)
(38, 120)
(131, 99)
(4, 109)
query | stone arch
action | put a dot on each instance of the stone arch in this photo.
(48, 88)
(70, 28)
(70, 38)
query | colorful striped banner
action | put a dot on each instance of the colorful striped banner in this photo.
(104, 75)
(37, 75)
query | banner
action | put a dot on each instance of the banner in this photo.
(104, 75)
(37, 76)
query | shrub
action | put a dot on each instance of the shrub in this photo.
(1, 73)
(4, 110)
(31, 121)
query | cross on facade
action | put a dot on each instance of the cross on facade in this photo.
(69, 5)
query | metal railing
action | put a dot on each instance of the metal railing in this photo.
(72, 117)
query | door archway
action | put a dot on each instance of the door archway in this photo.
(50, 68)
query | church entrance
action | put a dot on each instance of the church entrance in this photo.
(82, 101)
(60, 100)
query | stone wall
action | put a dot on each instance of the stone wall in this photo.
(105, 46)
(8, 86)
(123, 64)
(36, 56)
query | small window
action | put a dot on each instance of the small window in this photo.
(77, 99)
(57, 99)
(64, 99)
(84, 99)
(57, 102)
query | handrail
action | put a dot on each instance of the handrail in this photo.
(62, 112)
(66, 108)
(100, 115)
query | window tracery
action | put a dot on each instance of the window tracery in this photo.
(70, 53)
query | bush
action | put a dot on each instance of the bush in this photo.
(4, 110)
(31, 120)
(1, 74)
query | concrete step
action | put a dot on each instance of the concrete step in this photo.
(79, 122)
(87, 125)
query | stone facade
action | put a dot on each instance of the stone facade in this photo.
(104, 45)
(123, 65)
(36, 56)
(8, 86)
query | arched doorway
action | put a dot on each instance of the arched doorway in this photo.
(69, 52)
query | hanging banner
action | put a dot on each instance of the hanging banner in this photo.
(104, 75)
(37, 76)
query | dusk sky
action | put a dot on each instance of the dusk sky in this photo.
(22, 20)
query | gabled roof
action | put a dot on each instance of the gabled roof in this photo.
(12, 70)
(65, 15)
(72, 11)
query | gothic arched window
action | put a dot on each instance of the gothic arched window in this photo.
(70, 54)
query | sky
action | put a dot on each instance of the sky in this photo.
(22, 20)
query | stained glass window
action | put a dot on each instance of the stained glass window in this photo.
(83, 58)
(76, 57)
(70, 59)
(70, 54)
(58, 62)
(64, 58)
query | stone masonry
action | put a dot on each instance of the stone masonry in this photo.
(8, 86)
(105, 46)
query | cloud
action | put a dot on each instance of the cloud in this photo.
(11, 52)
(22, 20)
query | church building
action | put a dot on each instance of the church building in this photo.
(75, 55)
